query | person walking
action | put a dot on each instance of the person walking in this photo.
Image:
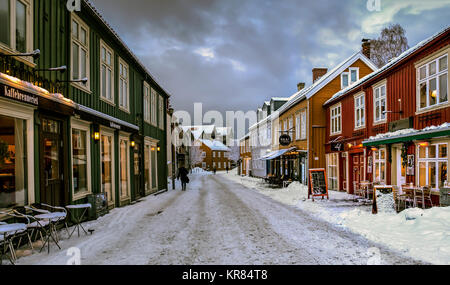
(215, 170)
(183, 176)
(227, 169)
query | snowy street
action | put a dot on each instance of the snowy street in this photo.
(217, 221)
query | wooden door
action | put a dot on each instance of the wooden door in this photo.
(357, 175)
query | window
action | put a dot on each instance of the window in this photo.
(298, 127)
(290, 126)
(344, 80)
(214, 154)
(433, 83)
(432, 165)
(153, 105)
(80, 52)
(13, 162)
(336, 121)
(107, 164)
(124, 98)
(203, 154)
(359, 111)
(161, 112)
(16, 25)
(124, 171)
(80, 159)
(303, 125)
(354, 75)
(146, 103)
(380, 165)
(379, 104)
(107, 73)
(333, 171)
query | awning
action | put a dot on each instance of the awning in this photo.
(414, 135)
(278, 153)
(107, 120)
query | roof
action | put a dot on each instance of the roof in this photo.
(307, 93)
(277, 153)
(215, 145)
(198, 131)
(279, 99)
(135, 58)
(408, 135)
(394, 62)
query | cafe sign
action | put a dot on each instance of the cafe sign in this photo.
(285, 140)
(18, 95)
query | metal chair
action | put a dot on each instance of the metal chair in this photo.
(408, 196)
(36, 227)
(10, 236)
(422, 196)
(54, 223)
(398, 198)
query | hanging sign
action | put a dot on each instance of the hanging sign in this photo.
(285, 140)
(318, 185)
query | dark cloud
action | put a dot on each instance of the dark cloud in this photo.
(233, 55)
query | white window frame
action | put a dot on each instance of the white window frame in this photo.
(343, 86)
(11, 48)
(103, 45)
(82, 126)
(351, 69)
(125, 79)
(330, 157)
(125, 137)
(378, 88)
(427, 80)
(335, 118)
(81, 46)
(304, 124)
(298, 126)
(360, 110)
(147, 102)
(153, 107)
(377, 160)
(427, 160)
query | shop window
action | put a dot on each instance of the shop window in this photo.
(107, 160)
(333, 171)
(154, 169)
(147, 168)
(80, 159)
(13, 163)
(380, 165)
(433, 162)
(124, 163)
(433, 83)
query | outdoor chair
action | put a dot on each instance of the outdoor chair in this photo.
(398, 198)
(422, 196)
(10, 237)
(36, 227)
(358, 190)
(60, 216)
(408, 196)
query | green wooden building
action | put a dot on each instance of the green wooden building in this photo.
(84, 117)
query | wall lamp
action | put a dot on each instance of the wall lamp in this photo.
(61, 69)
(158, 148)
(35, 54)
(133, 143)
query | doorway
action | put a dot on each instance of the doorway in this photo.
(401, 168)
(52, 164)
(138, 174)
(357, 169)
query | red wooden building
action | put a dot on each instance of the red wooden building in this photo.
(380, 128)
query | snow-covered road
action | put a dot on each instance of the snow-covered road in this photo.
(216, 221)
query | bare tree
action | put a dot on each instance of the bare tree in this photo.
(391, 43)
(196, 155)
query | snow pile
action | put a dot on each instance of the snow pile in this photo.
(408, 132)
(199, 170)
(421, 234)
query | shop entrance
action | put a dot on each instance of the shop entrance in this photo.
(357, 161)
(401, 169)
(138, 177)
(52, 164)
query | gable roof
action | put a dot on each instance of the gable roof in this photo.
(307, 93)
(215, 145)
(393, 63)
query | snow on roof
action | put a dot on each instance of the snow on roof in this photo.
(388, 66)
(308, 92)
(119, 39)
(215, 145)
(280, 99)
(408, 132)
(198, 131)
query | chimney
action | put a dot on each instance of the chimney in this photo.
(318, 73)
(366, 48)
(301, 86)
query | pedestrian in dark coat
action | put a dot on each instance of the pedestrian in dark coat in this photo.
(183, 176)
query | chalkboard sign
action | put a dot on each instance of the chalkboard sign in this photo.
(318, 185)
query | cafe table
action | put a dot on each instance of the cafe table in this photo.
(53, 219)
(77, 216)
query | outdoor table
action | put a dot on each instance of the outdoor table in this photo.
(77, 219)
(9, 231)
(52, 218)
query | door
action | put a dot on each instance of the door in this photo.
(357, 169)
(138, 174)
(52, 164)
(401, 169)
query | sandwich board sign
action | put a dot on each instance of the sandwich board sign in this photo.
(318, 185)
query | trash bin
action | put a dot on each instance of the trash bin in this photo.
(99, 204)
(445, 198)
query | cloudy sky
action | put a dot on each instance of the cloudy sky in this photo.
(234, 54)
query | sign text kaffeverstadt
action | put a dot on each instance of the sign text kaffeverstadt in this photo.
(20, 96)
